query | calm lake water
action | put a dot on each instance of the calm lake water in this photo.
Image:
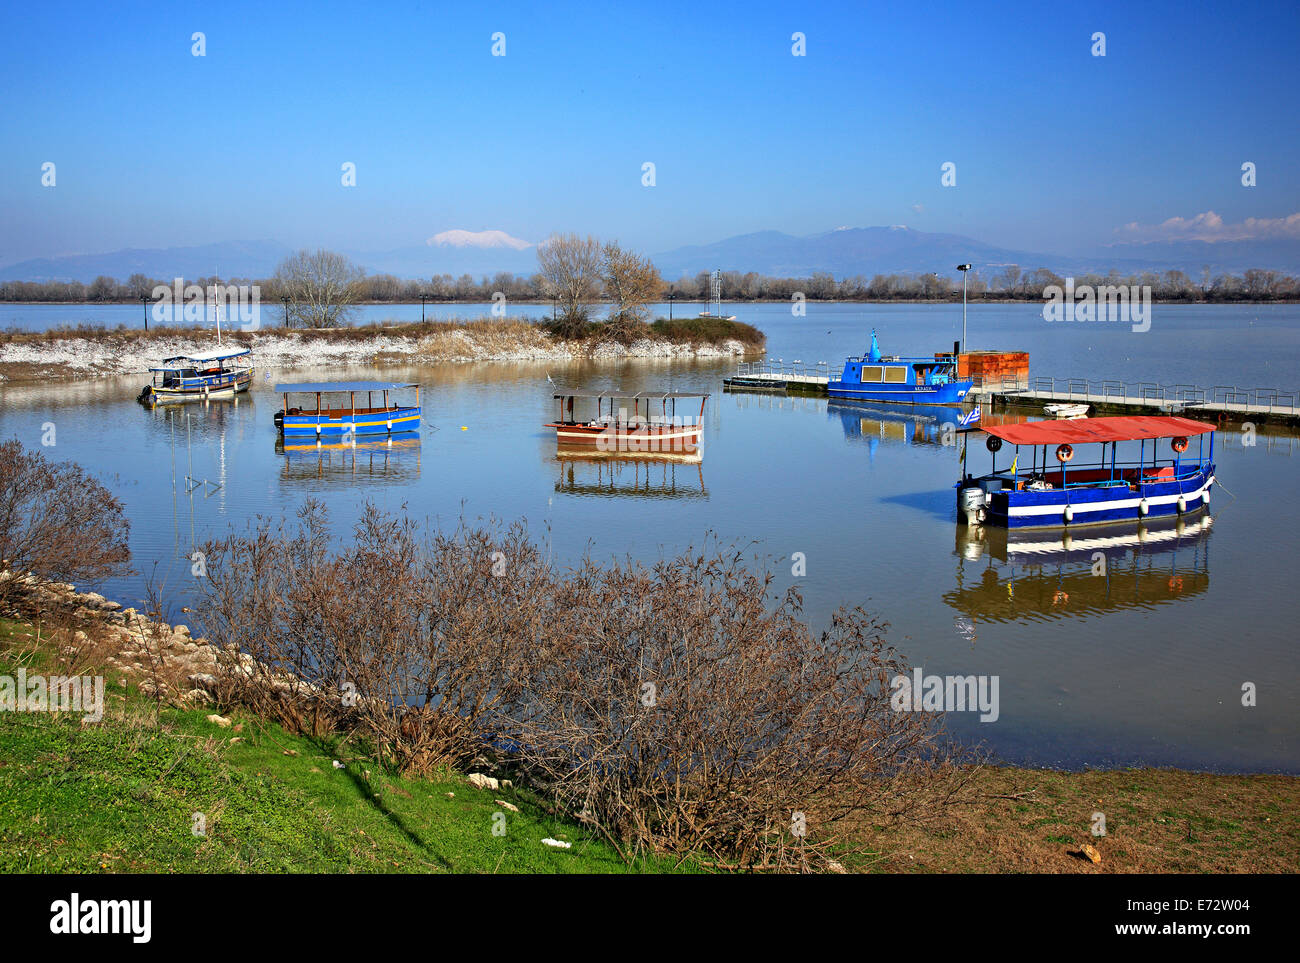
(1142, 666)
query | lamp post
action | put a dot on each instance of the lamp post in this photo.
(422, 297)
(144, 304)
(284, 299)
(963, 268)
(672, 296)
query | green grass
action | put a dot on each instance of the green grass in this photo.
(708, 331)
(121, 796)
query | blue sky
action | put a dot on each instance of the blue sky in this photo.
(1055, 149)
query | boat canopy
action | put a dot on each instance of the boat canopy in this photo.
(640, 395)
(321, 387)
(216, 354)
(1098, 430)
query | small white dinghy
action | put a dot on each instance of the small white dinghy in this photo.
(1067, 411)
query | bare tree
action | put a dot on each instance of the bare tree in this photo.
(322, 288)
(572, 271)
(632, 282)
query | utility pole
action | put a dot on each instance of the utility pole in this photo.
(963, 268)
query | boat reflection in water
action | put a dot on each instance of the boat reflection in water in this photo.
(587, 471)
(1046, 575)
(394, 457)
(877, 422)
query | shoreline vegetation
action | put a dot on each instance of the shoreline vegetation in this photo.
(485, 709)
(1010, 284)
(80, 351)
(120, 795)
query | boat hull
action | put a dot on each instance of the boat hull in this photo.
(650, 439)
(1074, 507)
(214, 389)
(951, 393)
(395, 421)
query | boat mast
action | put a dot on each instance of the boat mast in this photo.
(216, 308)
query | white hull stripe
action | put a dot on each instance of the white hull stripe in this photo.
(1109, 505)
(639, 439)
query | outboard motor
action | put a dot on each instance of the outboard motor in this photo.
(970, 505)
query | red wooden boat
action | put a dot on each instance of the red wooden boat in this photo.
(651, 427)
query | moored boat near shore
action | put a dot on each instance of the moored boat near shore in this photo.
(212, 375)
(1103, 491)
(335, 413)
(652, 427)
(889, 378)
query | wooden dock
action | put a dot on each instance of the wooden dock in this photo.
(1221, 403)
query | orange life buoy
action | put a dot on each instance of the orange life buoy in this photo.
(1064, 453)
(1179, 444)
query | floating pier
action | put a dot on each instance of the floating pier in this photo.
(1222, 403)
(777, 376)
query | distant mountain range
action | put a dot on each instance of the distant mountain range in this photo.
(845, 252)
(900, 250)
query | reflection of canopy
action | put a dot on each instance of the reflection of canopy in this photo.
(640, 395)
(1094, 430)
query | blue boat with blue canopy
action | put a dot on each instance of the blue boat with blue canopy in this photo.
(1108, 490)
(203, 376)
(346, 409)
(913, 381)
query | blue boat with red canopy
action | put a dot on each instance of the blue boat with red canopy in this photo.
(1107, 490)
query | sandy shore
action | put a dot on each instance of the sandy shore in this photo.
(63, 358)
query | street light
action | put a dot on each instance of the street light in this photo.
(422, 297)
(963, 268)
(284, 299)
(672, 295)
(144, 303)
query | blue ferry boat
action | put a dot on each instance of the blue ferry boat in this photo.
(346, 409)
(912, 381)
(1040, 495)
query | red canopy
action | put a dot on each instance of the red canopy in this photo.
(1081, 431)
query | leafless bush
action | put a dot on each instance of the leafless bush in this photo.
(684, 709)
(680, 708)
(57, 523)
(415, 641)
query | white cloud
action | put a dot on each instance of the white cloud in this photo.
(480, 239)
(1209, 226)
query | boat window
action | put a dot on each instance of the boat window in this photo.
(871, 373)
(895, 375)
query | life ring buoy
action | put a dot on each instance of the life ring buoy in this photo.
(993, 444)
(1064, 453)
(1179, 444)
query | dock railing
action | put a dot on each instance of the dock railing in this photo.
(780, 370)
(1273, 400)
